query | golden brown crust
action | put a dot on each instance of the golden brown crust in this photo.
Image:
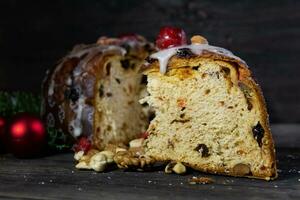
(245, 77)
(71, 85)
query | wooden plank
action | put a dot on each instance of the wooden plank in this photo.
(264, 33)
(54, 177)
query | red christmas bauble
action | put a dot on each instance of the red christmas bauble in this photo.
(26, 136)
(2, 134)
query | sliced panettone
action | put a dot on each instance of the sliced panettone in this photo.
(209, 112)
(94, 91)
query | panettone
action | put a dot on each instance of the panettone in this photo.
(94, 91)
(209, 112)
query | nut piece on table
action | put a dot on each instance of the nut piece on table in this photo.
(178, 168)
(114, 147)
(169, 167)
(132, 160)
(78, 155)
(136, 143)
(109, 156)
(98, 162)
(118, 149)
(88, 155)
(94, 159)
(200, 180)
(82, 165)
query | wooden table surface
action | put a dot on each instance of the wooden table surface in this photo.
(55, 177)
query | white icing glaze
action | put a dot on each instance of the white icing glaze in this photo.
(77, 125)
(78, 53)
(164, 56)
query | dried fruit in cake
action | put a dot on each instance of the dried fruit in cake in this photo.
(210, 114)
(93, 92)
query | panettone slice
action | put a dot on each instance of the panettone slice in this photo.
(209, 112)
(94, 91)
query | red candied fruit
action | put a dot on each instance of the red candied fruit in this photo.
(170, 37)
(83, 144)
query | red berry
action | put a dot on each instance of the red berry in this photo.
(83, 144)
(170, 37)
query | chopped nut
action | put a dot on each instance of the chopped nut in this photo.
(203, 150)
(198, 39)
(241, 169)
(130, 159)
(78, 155)
(98, 162)
(82, 165)
(136, 143)
(109, 156)
(200, 180)
(111, 147)
(179, 168)
(88, 156)
(169, 167)
(118, 149)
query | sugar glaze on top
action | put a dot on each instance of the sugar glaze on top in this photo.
(164, 56)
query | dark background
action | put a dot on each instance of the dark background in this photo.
(35, 34)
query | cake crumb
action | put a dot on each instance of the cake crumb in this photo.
(200, 180)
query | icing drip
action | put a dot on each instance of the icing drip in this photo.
(77, 125)
(164, 56)
(78, 53)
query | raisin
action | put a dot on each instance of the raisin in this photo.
(195, 68)
(108, 67)
(151, 116)
(202, 148)
(118, 80)
(109, 94)
(125, 63)
(145, 104)
(258, 133)
(144, 80)
(72, 94)
(184, 53)
(101, 91)
(150, 60)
